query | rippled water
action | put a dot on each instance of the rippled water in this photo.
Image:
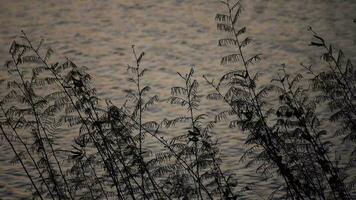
(175, 35)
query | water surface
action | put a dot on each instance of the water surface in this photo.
(175, 35)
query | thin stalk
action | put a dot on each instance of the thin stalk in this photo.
(190, 108)
(39, 123)
(27, 94)
(165, 144)
(269, 146)
(59, 80)
(139, 103)
(96, 177)
(28, 152)
(21, 162)
(146, 169)
(140, 110)
(319, 148)
(86, 180)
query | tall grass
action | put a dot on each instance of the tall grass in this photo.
(109, 158)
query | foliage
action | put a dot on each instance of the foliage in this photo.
(109, 158)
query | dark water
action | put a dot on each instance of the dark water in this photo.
(175, 35)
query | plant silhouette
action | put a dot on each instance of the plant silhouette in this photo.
(109, 157)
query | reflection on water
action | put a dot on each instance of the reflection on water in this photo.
(175, 34)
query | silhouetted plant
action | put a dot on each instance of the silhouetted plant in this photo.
(197, 148)
(276, 148)
(108, 159)
(26, 108)
(142, 102)
(247, 101)
(297, 119)
(336, 85)
(20, 159)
